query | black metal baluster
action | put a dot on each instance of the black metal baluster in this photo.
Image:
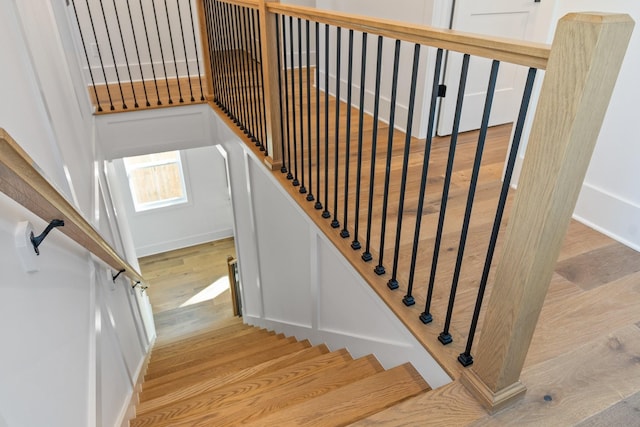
(286, 95)
(184, 48)
(303, 189)
(126, 58)
(379, 269)
(426, 316)
(153, 70)
(355, 244)
(445, 337)
(242, 71)
(113, 56)
(256, 136)
(135, 43)
(195, 48)
(465, 358)
(226, 57)
(283, 169)
(84, 48)
(344, 233)
(251, 103)
(104, 74)
(238, 105)
(325, 213)
(335, 223)
(256, 66)
(366, 256)
(164, 67)
(215, 58)
(173, 52)
(318, 204)
(393, 282)
(222, 99)
(408, 299)
(295, 181)
(263, 100)
(310, 197)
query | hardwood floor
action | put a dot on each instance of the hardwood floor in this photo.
(176, 280)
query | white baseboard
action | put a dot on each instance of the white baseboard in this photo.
(610, 215)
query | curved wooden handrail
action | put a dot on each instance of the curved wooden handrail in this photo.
(22, 180)
(508, 50)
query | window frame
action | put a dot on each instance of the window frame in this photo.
(159, 204)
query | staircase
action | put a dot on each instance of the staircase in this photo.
(239, 374)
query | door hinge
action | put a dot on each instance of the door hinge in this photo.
(442, 91)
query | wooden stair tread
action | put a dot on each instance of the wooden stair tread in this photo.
(295, 392)
(218, 334)
(211, 349)
(351, 402)
(154, 399)
(217, 367)
(223, 355)
(265, 393)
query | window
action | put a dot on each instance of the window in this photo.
(156, 180)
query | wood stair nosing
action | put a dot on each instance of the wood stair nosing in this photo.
(219, 366)
(291, 394)
(176, 392)
(352, 402)
(211, 349)
(265, 393)
(170, 366)
(198, 340)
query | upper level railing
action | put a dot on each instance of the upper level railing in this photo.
(140, 54)
(326, 83)
(21, 179)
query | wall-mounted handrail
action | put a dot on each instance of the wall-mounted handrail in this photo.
(513, 51)
(22, 180)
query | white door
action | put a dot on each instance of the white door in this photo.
(516, 19)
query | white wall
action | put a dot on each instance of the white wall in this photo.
(610, 197)
(205, 217)
(431, 13)
(73, 341)
(295, 281)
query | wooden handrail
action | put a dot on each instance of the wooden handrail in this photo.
(21, 179)
(508, 50)
(253, 4)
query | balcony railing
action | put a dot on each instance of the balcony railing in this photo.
(140, 54)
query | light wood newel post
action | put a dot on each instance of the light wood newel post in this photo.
(583, 66)
(269, 39)
(206, 51)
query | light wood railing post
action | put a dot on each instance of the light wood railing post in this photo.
(269, 39)
(206, 50)
(584, 62)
